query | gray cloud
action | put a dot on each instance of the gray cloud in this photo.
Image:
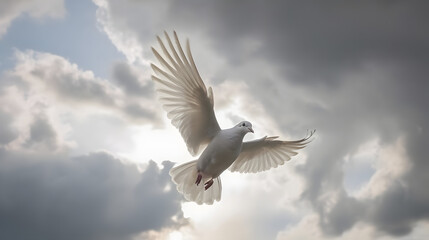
(363, 108)
(354, 71)
(310, 40)
(68, 82)
(137, 111)
(94, 196)
(42, 134)
(407, 201)
(128, 78)
(342, 216)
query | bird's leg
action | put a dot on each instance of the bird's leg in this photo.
(199, 178)
(208, 184)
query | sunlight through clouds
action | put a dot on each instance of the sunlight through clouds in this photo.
(85, 147)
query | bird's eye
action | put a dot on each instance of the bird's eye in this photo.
(243, 124)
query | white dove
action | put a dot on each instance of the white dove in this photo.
(189, 105)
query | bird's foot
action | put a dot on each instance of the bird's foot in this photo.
(208, 184)
(199, 179)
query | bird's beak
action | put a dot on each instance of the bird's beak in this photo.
(251, 129)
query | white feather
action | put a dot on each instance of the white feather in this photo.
(184, 96)
(266, 153)
(184, 177)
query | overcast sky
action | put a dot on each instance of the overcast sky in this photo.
(85, 147)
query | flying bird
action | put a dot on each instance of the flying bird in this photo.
(189, 105)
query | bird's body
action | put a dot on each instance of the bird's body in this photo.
(221, 151)
(189, 105)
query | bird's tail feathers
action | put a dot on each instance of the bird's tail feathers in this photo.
(185, 175)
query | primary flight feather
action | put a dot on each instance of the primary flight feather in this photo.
(189, 105)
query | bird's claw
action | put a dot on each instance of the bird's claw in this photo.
(208, 184)
(199, 179)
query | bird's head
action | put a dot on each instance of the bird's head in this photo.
(245, 126)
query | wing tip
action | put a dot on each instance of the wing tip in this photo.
(310, 134)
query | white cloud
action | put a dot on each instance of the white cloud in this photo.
(78, 111)
(56, 80)
(116, 27)
(38, 9)
(391, 163)
(308, 229)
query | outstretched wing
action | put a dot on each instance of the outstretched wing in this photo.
(184, 96)
(265, 153)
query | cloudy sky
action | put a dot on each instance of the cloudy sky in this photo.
(85, 148)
